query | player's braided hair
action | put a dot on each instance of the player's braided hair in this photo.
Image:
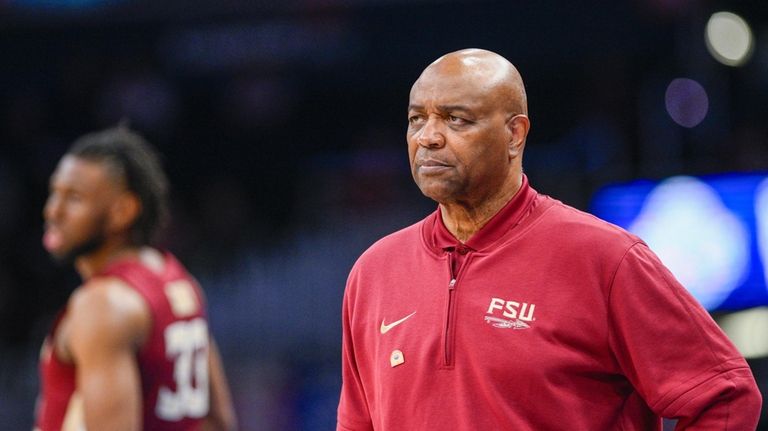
(135, 161)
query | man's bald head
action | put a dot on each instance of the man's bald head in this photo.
(491, 74)
(467, 126)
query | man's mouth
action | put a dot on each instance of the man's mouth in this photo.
(431, 166)
(52, 238)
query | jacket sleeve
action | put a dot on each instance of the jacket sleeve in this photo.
(673, 353)
(353, 413)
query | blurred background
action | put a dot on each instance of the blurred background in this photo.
(282, 126)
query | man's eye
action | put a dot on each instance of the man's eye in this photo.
(456, 120)
(414, 119)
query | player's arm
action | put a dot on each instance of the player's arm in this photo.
(222, 413)
(109, 321)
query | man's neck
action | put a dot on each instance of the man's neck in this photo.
(464, 219)
(92, 263)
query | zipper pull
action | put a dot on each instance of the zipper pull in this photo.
(452, 284)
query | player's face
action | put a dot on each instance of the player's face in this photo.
(77, 210)
(457, 138)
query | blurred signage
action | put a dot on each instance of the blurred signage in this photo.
(711, 232)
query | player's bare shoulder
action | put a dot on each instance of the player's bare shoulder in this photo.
(106, 310)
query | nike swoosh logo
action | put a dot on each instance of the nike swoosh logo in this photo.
(385, 328)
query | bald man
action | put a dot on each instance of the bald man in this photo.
(508, 310)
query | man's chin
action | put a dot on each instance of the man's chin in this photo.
(438, 192)
(62, 258)
(68, 257)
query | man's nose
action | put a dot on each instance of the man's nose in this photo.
(432, 134)
(52, 208)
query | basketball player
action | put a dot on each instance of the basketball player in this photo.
(132, 348)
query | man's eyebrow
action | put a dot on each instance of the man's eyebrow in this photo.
(446, 108)
(451, 108)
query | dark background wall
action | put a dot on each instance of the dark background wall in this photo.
(282, 127)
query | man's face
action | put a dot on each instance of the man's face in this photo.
(77, 210)
(457, 137)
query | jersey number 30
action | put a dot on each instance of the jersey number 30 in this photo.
(186, 343)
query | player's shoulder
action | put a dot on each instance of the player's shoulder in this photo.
(108, 291)
(109, 302)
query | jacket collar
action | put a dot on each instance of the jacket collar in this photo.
(437, 236)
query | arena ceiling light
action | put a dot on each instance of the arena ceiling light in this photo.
(729, 38)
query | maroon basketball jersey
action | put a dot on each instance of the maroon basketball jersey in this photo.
(173, 361)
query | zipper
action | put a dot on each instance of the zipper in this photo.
(449, 326)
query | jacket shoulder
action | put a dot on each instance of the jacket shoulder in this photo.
(579, 227)
(392, 248)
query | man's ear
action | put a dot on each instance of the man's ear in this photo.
(518, 127)
(124, 211)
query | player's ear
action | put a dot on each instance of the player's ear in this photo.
(124, 211)
(517, 126)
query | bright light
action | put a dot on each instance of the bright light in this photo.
(686, 101)
(761, 219)
(746, 329)
(729, 38)
(694, 234)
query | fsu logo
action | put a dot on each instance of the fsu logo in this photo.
(509, 314)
